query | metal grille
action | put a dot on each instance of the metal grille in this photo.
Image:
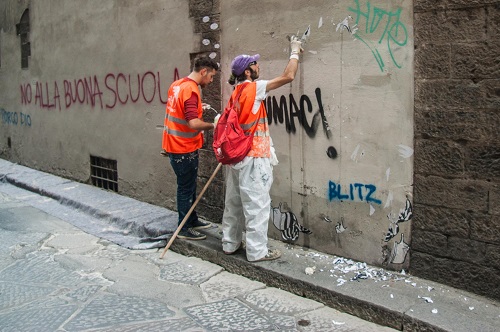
(104, 173)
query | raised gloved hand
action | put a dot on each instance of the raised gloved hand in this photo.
(216, 119)
(296, 47)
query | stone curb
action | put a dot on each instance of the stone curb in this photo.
(127, 212)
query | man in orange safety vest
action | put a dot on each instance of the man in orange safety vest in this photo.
(248, 202)
(183, 137)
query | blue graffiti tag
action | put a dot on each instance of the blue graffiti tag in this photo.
(357, 192)
(13, 118)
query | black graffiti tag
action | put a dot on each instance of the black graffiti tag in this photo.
(287, 110)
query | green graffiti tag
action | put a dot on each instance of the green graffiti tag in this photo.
(386, 23)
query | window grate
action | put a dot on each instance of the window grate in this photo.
(104, 173)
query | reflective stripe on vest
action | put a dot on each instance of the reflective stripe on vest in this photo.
(178, 132)
(259, 133)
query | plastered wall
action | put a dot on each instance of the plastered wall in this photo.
(96, 84)
(343, 130)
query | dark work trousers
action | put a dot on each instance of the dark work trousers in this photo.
(185, 166)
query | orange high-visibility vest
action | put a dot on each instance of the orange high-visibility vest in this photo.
(177, 136)
(249, 122)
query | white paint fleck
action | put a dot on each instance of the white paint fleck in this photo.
(206, 42)
(344, 25)
(176, 89)
(392, 296)
(69, 188)
(405, 151)
(387, 173)
(372, 210)
(355, 153)
(206, 19)
(429, 288)
(339, 228)
(471, 308)
(434, 311)
(337, 323)
(320, 23)
(399, 251)
(214, 26)
(354, 29)
(390, 197)
(213, 55)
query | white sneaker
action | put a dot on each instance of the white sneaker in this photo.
(272, 254)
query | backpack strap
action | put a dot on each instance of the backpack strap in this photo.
(236, 100)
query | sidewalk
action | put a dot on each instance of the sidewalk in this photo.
(396, 300)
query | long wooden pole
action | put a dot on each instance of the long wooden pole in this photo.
(190, 211)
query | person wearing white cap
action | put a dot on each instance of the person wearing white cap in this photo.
(248, 202)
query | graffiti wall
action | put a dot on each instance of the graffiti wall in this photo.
(343, 130)
(90, 78)
(94, 83)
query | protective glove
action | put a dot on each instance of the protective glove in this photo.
(296, 47)
(216, 119)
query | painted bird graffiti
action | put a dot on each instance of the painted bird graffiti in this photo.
(287, 223)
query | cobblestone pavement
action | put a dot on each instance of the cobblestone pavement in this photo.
(55, 277)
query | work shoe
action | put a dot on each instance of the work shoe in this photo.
(191, 234)
(198, 224)
(240, 245)
(271, 255)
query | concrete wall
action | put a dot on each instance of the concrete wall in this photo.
(343, 130)
(456, 229)
(96, 85)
